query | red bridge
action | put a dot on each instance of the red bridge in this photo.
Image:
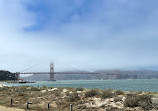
(52, 73)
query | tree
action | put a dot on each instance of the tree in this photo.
(6, 75)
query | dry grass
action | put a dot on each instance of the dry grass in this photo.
(61, 101)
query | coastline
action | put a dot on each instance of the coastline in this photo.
(2, 84)
(146, 85)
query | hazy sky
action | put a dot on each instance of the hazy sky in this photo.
(81, 34)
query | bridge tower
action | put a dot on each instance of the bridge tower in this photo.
(52, 72)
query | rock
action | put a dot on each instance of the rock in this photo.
(97, 102)
(50, 90)
(123, 99)
(43, 91)
(29, 88)
(54, 89)
(65, 90)
(79, 92)
(111, 100)
(39, 97)
(119, 105)
(154, 100)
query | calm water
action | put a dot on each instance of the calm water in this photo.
(128, 85)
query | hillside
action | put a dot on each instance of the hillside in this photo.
(144, 74)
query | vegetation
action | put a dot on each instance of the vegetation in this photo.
(57, 93)
(73, 97)
(91, 93)
(87, 100)
(79, 89)
(107, 94)
(6, 75)
(119, 92)
(143, 101)
(118, 99)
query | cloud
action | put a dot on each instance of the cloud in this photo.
(84, 34)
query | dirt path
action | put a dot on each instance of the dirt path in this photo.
(2, 108)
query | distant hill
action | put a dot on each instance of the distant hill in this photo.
(6, 75)
(134, 74)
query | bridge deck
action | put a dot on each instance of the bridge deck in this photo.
(67, 73)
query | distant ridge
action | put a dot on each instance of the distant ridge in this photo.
(134, 74)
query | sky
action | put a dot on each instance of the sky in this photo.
(78, 34)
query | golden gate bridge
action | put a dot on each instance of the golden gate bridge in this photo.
(52, 73)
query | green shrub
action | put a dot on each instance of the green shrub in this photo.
(91, 93)
(143, 101)
(57, 93)
(4, 102)
(34, 89)
(117, 99)
(107, 94)
(44, 87)
(22, 89)
(22, 94)
(119, 92)
(73, 97)
(79, 89)
(3, 88)
(131, 102)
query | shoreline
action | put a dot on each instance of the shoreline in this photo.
(125, 85)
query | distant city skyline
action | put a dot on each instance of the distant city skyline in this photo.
(78, 34)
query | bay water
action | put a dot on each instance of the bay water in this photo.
(127, 85)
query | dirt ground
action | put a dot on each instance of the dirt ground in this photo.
(2, 108)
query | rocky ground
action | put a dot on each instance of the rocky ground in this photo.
(81, 99)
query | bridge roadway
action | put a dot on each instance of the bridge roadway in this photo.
(66, 73)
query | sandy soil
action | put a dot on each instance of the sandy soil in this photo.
(2, 108)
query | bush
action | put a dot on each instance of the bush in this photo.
(119, 92)
(44, 87)
(131, 102)
(91, 93)
(117, 99)
(34, 89)
(57, 93)
(22, 89)
(107, 94)
(73, 97)
(143, 101)
(79, 89)
(3, 88)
